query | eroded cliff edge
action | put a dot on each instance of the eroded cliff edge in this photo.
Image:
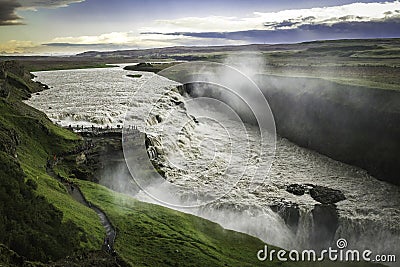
(353, 124)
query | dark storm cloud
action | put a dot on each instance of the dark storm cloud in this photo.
(289, 22)
(285, 23)
(378, 29)
(7, 12)
(350, 18)
(33, 4)
(8, 8)
(308, 32)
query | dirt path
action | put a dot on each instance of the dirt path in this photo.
(77, 194)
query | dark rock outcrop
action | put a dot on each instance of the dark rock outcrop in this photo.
(148, 67)
(14, 76)
(4, 89)
(296, 189)
(326, 195)
(42, 85)
(322, 194)
(9, 140)
(3, 73)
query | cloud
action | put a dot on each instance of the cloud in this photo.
(355, 12)
(357, 20)
(107, 38)
(71, 44)
(343, 30)
(285, 19)
(35, 4)
(9, 8)
(119, 40)
(7, 12)
(17, 47)
(129, 40)
(282, 25)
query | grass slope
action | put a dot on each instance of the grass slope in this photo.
(40, 221)
(151, 235)
(33, 153)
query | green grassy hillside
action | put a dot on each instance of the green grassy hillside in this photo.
(39, 220)
(151, 235)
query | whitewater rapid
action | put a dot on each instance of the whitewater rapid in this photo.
(369, 217)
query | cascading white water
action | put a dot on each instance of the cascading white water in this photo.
(367, 218)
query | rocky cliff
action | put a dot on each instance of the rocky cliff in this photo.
(353, 124)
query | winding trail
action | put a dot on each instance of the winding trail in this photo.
(77, 194)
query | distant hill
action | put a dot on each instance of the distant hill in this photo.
(168, 52)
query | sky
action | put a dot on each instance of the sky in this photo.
(73, 26)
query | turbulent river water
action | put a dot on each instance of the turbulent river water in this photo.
(368, 218)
